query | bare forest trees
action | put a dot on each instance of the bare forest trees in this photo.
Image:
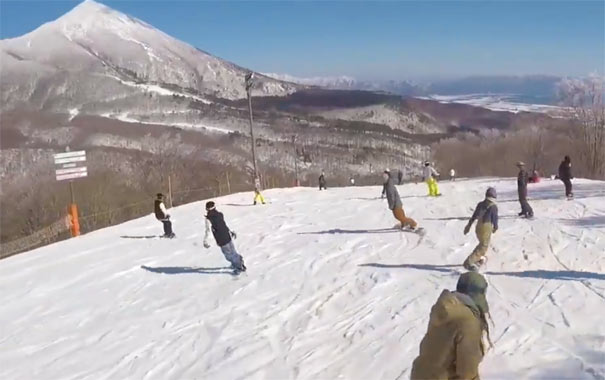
(585, 97)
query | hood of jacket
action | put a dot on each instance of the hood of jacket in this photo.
(451, 306)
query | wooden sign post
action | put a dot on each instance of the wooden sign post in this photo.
(70, 166)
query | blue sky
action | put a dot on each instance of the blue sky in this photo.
(370, 40)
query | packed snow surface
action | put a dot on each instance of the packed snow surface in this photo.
(329, 293)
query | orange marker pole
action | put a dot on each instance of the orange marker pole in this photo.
(73, 218)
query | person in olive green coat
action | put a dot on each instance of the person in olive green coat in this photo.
(453, 347)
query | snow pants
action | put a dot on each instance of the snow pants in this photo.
(568, 188)
(433, 188)
(525, 207)
(167, 227)
(399, 214)
(258, 197)
(231, 255)
(484, 234)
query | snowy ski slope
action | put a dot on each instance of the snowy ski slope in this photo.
(327, 294)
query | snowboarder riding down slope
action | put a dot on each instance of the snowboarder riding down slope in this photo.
(453, 346)
(322, 181)
(429, 173)
(395, 202)
(522, 180)
(258, 197)
(486, 215)
(161, 214)
(566, 176)
(215, 221)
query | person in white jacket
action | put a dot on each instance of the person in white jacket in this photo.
(429, 173)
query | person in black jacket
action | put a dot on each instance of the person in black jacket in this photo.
(400, 177)
(566, 176)
(522, 180)
(161, 214)
(215, 221)
(322, 181)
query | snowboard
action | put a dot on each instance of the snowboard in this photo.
(419, 231)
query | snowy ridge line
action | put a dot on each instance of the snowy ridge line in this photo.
(123, 118)
(158, 89)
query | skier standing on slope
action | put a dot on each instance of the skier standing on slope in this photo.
(400, 177)
(429, 173)
(258, 197)
(322, 181)
(161, 214)
(453, 346)
(215, 221)
(486, 215)
(452, 175)
(384, 184)
(566, 176)
(522, 180)
(394, 201)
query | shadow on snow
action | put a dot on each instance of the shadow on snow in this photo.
(182, 270)
(568, 275)
(341, 231)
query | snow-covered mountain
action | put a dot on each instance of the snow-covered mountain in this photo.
(349, 83)
(328, 294)
(342, 82)
(94, 53)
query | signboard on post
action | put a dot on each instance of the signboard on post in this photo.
(69, 166)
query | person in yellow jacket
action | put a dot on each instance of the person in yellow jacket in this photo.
(453, 346)
(429, 173)
(486, 215)
(258, 197)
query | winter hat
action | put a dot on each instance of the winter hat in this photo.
(520, 163)
(210, 206)
(567, 158)
(491, 193)
(387, 170)
(159, 195)
(474, 285)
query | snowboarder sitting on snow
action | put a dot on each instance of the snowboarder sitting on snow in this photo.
(395, 202)
(522, 180)
(223, 236)
(322, 181)
(453, 346)
(566, 176)
(486, 215)
(161, 214)
(429, 173)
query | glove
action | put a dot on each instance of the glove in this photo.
(467, 229)
(233, 234)
(206, 245)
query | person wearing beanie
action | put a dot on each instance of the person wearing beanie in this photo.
(486, 215)
(522, 180)
(394, 202)
(565, 176)
(429, 173)
(453, 346)
(215, 222)
(161, 214)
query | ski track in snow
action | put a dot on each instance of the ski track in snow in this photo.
(330, 291)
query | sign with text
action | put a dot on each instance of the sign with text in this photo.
(70, 165)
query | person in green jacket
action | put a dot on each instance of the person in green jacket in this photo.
(453, 346)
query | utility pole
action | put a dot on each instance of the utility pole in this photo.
(249, 84)
(296, 183)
